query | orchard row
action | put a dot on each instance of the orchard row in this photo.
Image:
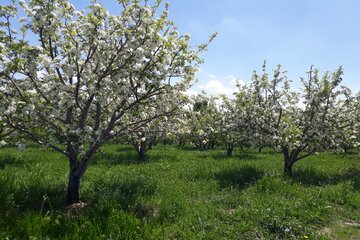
(74, 80)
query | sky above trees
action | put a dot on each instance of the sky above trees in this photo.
(295, 34)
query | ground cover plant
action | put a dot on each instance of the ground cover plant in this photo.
(181, 194)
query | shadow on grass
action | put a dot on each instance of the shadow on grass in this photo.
(129, 157)
(235, 156)
(38, 198)
(10, 160)
(33, 198)
(189, 148)
(238, 178)
(122, 194)
(124, 148)
(311, 177)
(114, 158)
(26, 214)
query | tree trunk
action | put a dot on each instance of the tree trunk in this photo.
(140, 149)
(73, 191)
(77, 170)
(141, 155)
(229, 151)
(288, 168)
(289, 160)
(213, 144)
(260, 149)
(181, 142)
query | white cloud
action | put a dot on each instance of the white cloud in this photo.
(227, 86)
(215, 87)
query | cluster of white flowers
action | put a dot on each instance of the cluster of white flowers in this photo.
(324, 120)
(91, 76)
(266, 112)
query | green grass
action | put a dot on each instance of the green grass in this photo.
(181, 194)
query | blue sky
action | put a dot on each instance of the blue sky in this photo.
(293, 33)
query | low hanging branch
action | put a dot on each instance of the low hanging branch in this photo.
(88, 73)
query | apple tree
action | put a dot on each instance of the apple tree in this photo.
(75, 77)
(300, 124)
(149, 134)
(234, 123)
(203, 121)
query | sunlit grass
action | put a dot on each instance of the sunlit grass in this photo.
(181, 194)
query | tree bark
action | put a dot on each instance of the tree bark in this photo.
(73, 191)
(77, 170)
(182, 143)
(288, 168)
(289, 160)
(213, 144)
(229, 151)
(141, 155)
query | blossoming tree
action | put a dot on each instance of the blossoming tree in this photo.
(300, 124)
(234, 123)
(5, 132)
(203, 121)
(348, 123)
(144, 138)
(75, 77)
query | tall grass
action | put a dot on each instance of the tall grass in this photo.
(180, 194)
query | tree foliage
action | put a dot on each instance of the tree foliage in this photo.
(88, 71)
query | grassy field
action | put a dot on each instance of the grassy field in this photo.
(181, 194)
